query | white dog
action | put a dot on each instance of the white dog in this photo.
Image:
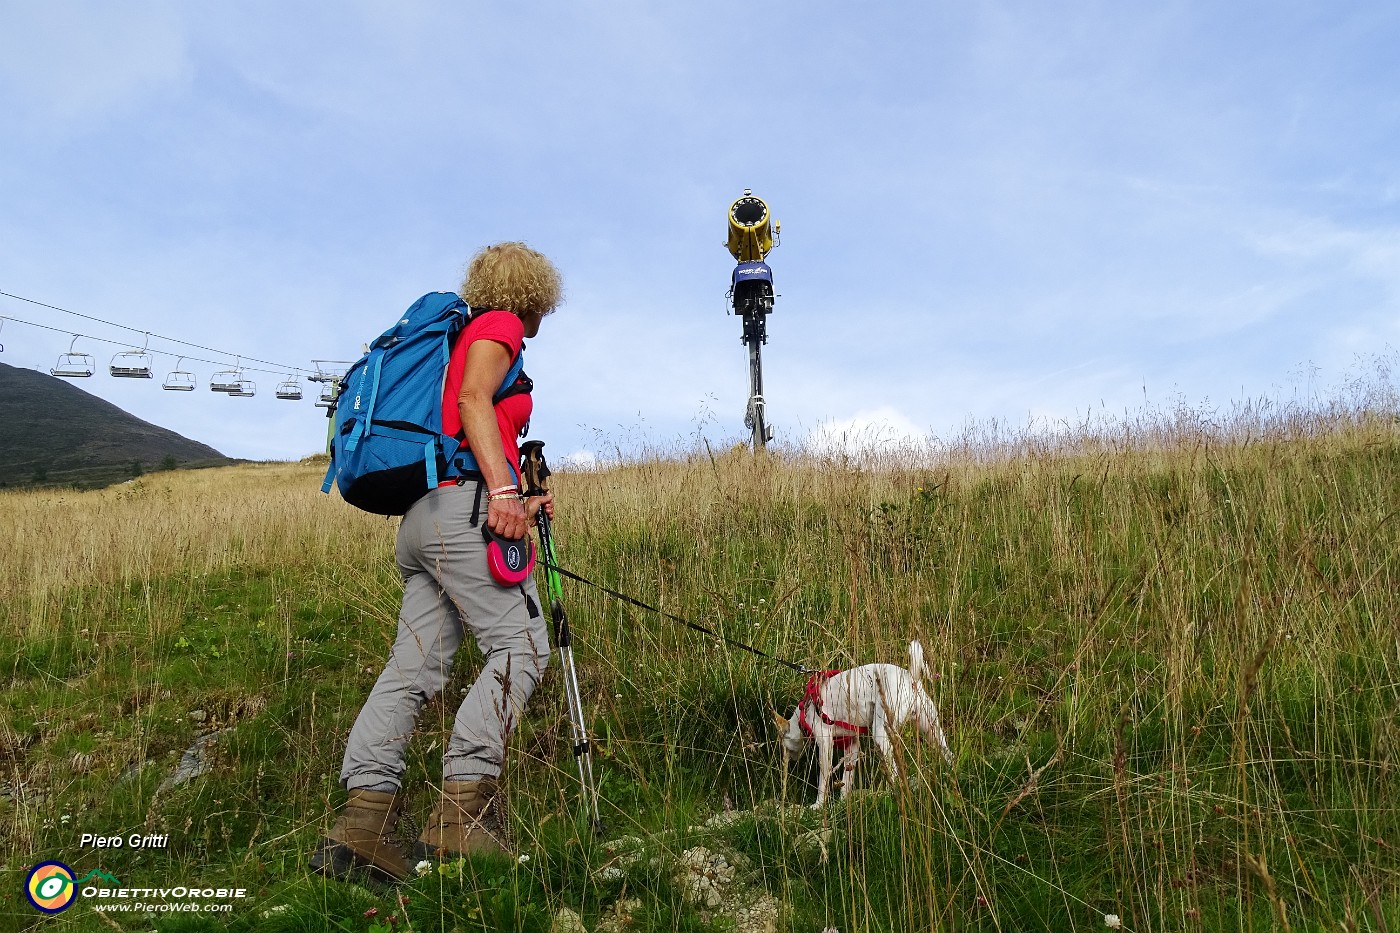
(839, 707)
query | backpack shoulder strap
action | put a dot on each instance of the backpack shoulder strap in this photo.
(517, 369)
(508, 385)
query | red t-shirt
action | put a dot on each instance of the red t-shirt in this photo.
(512, 413)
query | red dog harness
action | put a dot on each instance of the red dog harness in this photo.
(813, 695)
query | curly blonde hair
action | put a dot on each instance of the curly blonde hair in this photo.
(512, 277)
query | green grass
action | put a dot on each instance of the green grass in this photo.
(1169, 677)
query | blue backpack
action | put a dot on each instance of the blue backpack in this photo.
(387, 445)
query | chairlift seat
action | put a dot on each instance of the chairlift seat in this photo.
(289, 390)
(244, 388)
(133, 364)
(328, 395)
(73, 366)
(179, 381)
(226, 381)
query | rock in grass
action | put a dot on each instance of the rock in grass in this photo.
(619, 919)
(812, 844)
(193, 762)
(703, 876)
(566, 921)
(759, 917)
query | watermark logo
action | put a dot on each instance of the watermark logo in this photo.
(50, 887)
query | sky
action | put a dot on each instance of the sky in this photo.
(1012, 211)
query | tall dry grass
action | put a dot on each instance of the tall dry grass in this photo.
(1167, 655)
(173, 524)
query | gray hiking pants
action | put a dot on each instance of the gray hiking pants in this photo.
(448, 590)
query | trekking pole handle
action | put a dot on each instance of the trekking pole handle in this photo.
(533, 470)
(534, 473)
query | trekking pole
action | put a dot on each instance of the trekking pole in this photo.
(535, 472)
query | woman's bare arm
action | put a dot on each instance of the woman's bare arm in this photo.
(487, 364)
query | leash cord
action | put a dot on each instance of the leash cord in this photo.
(686, 622)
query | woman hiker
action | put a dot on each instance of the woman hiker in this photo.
(449, 592)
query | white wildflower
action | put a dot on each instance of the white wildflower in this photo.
(1111, 921)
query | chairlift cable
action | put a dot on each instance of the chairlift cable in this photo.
(279, 371)
(279, 367)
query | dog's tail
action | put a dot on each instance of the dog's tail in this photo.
(916, 661)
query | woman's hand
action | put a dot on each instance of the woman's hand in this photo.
(535, 503)
(507, 518)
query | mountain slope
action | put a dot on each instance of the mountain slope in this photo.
(52, 432)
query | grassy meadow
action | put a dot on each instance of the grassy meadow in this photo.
(1168, 664)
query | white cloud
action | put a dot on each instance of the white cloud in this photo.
(865, 432)
(583, 460)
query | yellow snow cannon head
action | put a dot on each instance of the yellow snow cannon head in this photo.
(751, 229)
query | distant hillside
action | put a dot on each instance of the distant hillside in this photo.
(54, 433)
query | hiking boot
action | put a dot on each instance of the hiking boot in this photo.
(361, 839)
(466, 821)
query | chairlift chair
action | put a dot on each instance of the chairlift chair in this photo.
(179, 380)
(244, 388)
(226, 381)
(329, 393)
(132, 364)
(2, 327)
(289, 390)
(73, 365)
